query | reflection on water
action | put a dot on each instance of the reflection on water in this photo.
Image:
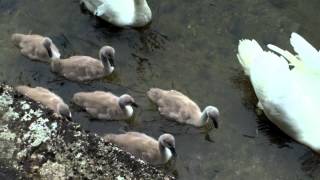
(264, 126)
(190, 46)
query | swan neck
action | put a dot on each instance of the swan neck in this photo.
(204, 117)
(164, 152)
(107, 65)
(127, 109)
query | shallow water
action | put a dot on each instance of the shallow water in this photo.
(190, 46)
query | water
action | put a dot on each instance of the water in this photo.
(190, 46)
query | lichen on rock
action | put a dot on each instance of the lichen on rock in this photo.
(38, 144)
(39, 132)
(10, 115)
(5, 101)
(7, 146)
(53, 170)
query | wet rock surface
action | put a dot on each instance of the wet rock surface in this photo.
(35, 143)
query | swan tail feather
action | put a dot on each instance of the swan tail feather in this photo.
(17, 38)
(306, 52)
(100, 10)
(247, 51)
(109, 137)
(56, 66)
(154, 94)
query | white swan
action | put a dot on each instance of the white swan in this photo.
(289, 98)
(122, 13)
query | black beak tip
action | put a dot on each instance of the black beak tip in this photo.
(69, 117)
(111, 61)
(173, 151)
(135, 105)
(216, 124)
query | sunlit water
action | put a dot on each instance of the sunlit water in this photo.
(190, 46)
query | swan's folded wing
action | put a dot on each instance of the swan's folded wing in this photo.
(270, 76)
(293, 60)
(307, 53)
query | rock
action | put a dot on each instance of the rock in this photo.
(36, 143)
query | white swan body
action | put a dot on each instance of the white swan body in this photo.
(122, 13)
(289, 98)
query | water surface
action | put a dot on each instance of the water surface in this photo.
(191, 47)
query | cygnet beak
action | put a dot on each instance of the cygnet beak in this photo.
(173, 151)
(134, 104)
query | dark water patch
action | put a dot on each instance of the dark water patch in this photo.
(311, 164)
(274, 134)
(279, 3)
(8, 7)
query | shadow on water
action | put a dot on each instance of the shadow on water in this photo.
(264, 125)
(189, 46)
(310, 161)
(8, 7)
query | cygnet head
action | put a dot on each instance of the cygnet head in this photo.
(168, 141)
(47, 44)
(213, 115)
(126, 100)
(107, 54)
(64, 110)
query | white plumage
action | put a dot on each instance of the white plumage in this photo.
(289, 98)
(122, 13)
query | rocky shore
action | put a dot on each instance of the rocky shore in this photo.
(35, 143)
